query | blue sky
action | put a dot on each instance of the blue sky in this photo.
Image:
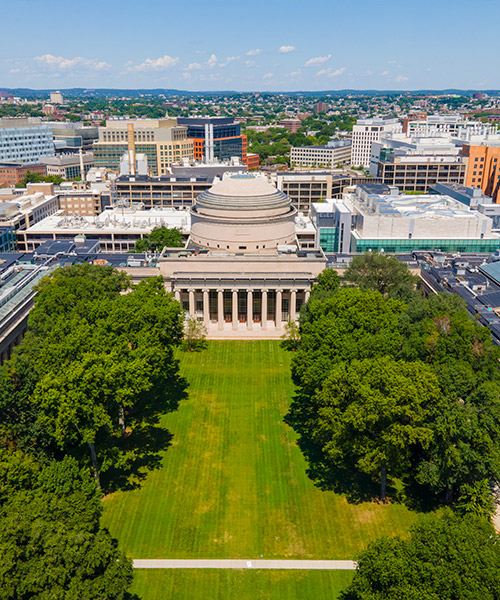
(245, 46)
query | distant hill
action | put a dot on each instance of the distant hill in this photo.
(113, 92)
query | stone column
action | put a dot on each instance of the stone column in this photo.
(278, 308)
(264, 309)
(177, 295)
(191, 303)
(249, 309)
(235, 309)
(293, 305)
(220, 309)
(206, 308)
(307, 294)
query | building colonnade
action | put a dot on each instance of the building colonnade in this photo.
(247, 307)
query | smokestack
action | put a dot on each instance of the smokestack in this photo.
(131, 148)
(82, 168)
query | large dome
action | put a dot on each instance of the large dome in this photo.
(243, 213)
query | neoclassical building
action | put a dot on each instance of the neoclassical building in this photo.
(246, 279)
(243, 213)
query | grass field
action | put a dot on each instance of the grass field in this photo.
(240, 585)
(233, 484)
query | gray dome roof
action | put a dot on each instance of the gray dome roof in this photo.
(243, 192)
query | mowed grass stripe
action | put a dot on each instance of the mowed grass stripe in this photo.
(240, 585)
(233, 484)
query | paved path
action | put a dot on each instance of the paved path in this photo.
(243, 564)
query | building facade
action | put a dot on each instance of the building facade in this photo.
(12, 173)
(68, 166)
(25, 140)
(215, 138)
(163, 141)
(335, 154)
(367, 131)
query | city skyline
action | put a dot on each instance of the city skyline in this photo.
(275, 46)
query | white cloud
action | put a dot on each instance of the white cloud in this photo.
(249, 63)
(229, 59)
(268, 76)
(295, 73)
(78, 62)
(254, 52)
(193, 66)
(156, 64)
(329, 72)
(15, 70)
(384, 73)
(401, 78)
(186, 75)
(392, 62)
(318, 60)
(212, 61)
(286, 49)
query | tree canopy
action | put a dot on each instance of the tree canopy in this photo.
(95, 370)
(159, 238)
(393, 391)
(447, 559)
(50, 540)
(385, 274)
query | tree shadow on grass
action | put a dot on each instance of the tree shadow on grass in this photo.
(133, 456)
(346, 480)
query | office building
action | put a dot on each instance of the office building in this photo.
(483, 170)
(68, 166)
(215, 138)
(56, 98)
(25, 140)
(12, 173)
(18, 212)
(414, 163)
(385, 220)
(335, 154)
(88, 202)
(167, 191)
(71, 137)
(306, 187)
(367, 131)
(163, 141)
(292, 125)
(117, 230)
(332, 222)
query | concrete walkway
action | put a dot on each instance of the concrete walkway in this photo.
(244, 564)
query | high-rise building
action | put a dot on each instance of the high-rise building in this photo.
(163, 141)
(56, 98)
(334, 154)
(215, 138)
(25, 140)
(320, 107)
(367, 131)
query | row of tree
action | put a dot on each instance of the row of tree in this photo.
(395, 387)
(79, 404)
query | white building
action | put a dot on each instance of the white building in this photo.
(367, 131)
(25, 140)
(56, 98)
(335, 153)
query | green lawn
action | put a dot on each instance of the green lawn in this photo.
(233, 483)
(240, 585)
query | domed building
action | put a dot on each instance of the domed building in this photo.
(243, 213)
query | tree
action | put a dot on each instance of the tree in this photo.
(96, 370)
(370, 413)
(290, 340)
(194, 334)
(447, 559)
(38, 178)
(159, 238)
(50, 540)
(385, 274)
(327, 285)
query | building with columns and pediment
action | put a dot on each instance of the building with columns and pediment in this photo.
(243, 275)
